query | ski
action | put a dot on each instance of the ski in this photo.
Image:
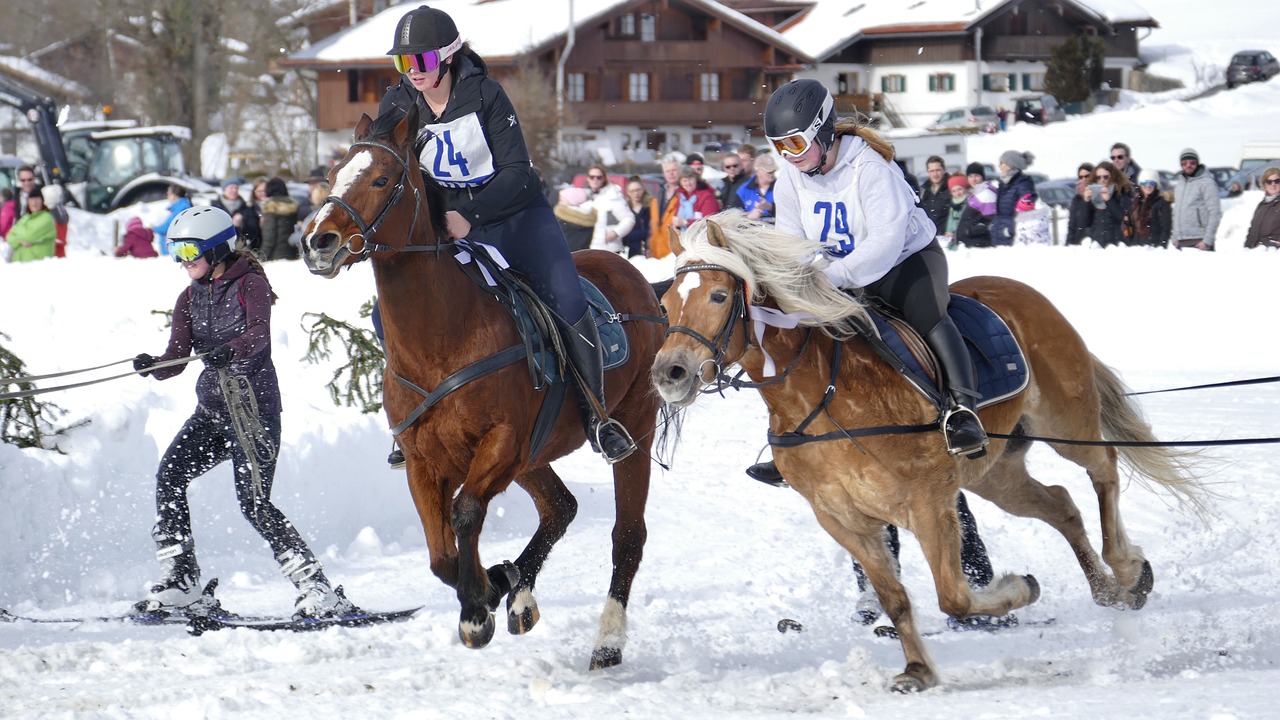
(141, 613)
(355, 618)
(889, 632)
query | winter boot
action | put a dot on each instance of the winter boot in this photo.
(767, 473)
(961, 426)
(582, 340)
(179, 584)
(316, 597)
(396, 458)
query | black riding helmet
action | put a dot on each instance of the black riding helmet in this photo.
(426, 31)
(801, 108)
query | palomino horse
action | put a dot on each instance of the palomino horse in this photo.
(476, 439)
(728, 264)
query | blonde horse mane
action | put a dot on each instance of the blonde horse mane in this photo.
(774, 263)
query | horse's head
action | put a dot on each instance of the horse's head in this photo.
(371, 188)
(707, 309)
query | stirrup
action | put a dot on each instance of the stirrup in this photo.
(622, 431)
(972, 451)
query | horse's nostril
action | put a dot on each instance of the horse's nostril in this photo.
(676, 373)
(324, 241)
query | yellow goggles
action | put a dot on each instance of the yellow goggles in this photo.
(185, 250)
(795, 144)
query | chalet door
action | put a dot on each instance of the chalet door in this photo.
(655, 141)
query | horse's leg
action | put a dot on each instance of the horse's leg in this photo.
(430, 498)
(937, 527)
(479, 590)
(1011, 488)
(1132, 570)
(556, 509)
(868, 547)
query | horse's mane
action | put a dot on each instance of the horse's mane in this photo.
(381, 131)
(779, 265)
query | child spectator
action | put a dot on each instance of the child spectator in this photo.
(136, 241)
(1032, 222)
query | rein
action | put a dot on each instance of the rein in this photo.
(18, 394)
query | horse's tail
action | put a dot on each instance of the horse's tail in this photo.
(1173, 469)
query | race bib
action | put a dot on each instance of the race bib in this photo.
(456, 153)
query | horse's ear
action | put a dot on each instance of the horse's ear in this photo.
(673, 239)
(407, 128)
(715, 236)
(362, 127)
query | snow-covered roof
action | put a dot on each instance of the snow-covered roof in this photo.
(31, 74)
(497, 28)
(831, 24)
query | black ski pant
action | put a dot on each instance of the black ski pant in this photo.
(204, 442)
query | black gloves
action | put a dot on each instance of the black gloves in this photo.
(142, 362)
(219, 357)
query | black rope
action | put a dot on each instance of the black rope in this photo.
(1229, 383)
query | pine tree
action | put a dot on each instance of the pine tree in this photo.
(1075, 69)
(362, 386)
(25, 422)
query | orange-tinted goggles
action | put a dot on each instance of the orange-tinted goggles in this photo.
(795, 144)
(422, 62)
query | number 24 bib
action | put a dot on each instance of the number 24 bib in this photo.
(457, 153)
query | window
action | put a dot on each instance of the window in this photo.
(627, 25)
(847, 84)
(638, 87)
(648, 27)
(575, 87)
(710, 84)
(1033, 81)
(893, 83)
(998, 82)
(942, 82)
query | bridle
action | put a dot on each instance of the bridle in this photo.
(367, 229)
(737, 315)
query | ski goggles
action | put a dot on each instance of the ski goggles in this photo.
(184, 250)
(428, 61)
(795, 144)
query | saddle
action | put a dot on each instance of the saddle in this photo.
(999, 364)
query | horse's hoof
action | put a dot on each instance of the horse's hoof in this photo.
(1142, 588)
(906, 683)
(1033, 588)
(476, 636)
(605, 657)
(522, 612)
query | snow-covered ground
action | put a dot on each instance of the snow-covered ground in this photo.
(727, 557)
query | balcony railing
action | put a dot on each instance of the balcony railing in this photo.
(597, 113)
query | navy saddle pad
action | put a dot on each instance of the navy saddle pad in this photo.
(613, 337)
(1001, 368)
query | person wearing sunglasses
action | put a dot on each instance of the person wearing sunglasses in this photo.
(14, 207)
(1122, 158)
(613, 218)
(471, 144)
(1150, 215)
(224, 315)
(1197, 208)
(1077, 222)
(1264, 229)
(840, 188)
(1109, 197)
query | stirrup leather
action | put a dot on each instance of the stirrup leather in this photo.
(960, 410)
(621, 430)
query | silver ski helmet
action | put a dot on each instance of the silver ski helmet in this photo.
(799, 113)
(202, 231)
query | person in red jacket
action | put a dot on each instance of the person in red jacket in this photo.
(694, 199)
(136, 241)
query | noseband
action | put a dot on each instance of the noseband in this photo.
(368, 229)
(737, 312)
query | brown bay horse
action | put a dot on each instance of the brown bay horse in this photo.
(476, 439)
(728, 267)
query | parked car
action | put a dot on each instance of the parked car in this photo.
(979, 118)
(1251, 66)
(1038, 110)
(1057, 193)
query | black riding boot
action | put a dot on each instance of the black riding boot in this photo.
(767, 473)
(582, 340)
(961, 425)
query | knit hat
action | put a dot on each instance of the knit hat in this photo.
(1027, 202)
(1189, 154)
(956, 181)
(694, 157)
(976, 168)
(1148, 176)
(1017, 160)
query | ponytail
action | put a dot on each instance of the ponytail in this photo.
(850, 126)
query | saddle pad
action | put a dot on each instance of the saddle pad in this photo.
(1001, 369)
(613, 338)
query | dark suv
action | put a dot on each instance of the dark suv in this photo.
(1251, 66)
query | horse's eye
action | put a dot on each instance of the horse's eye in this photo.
(381, 182)
(719, 296)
